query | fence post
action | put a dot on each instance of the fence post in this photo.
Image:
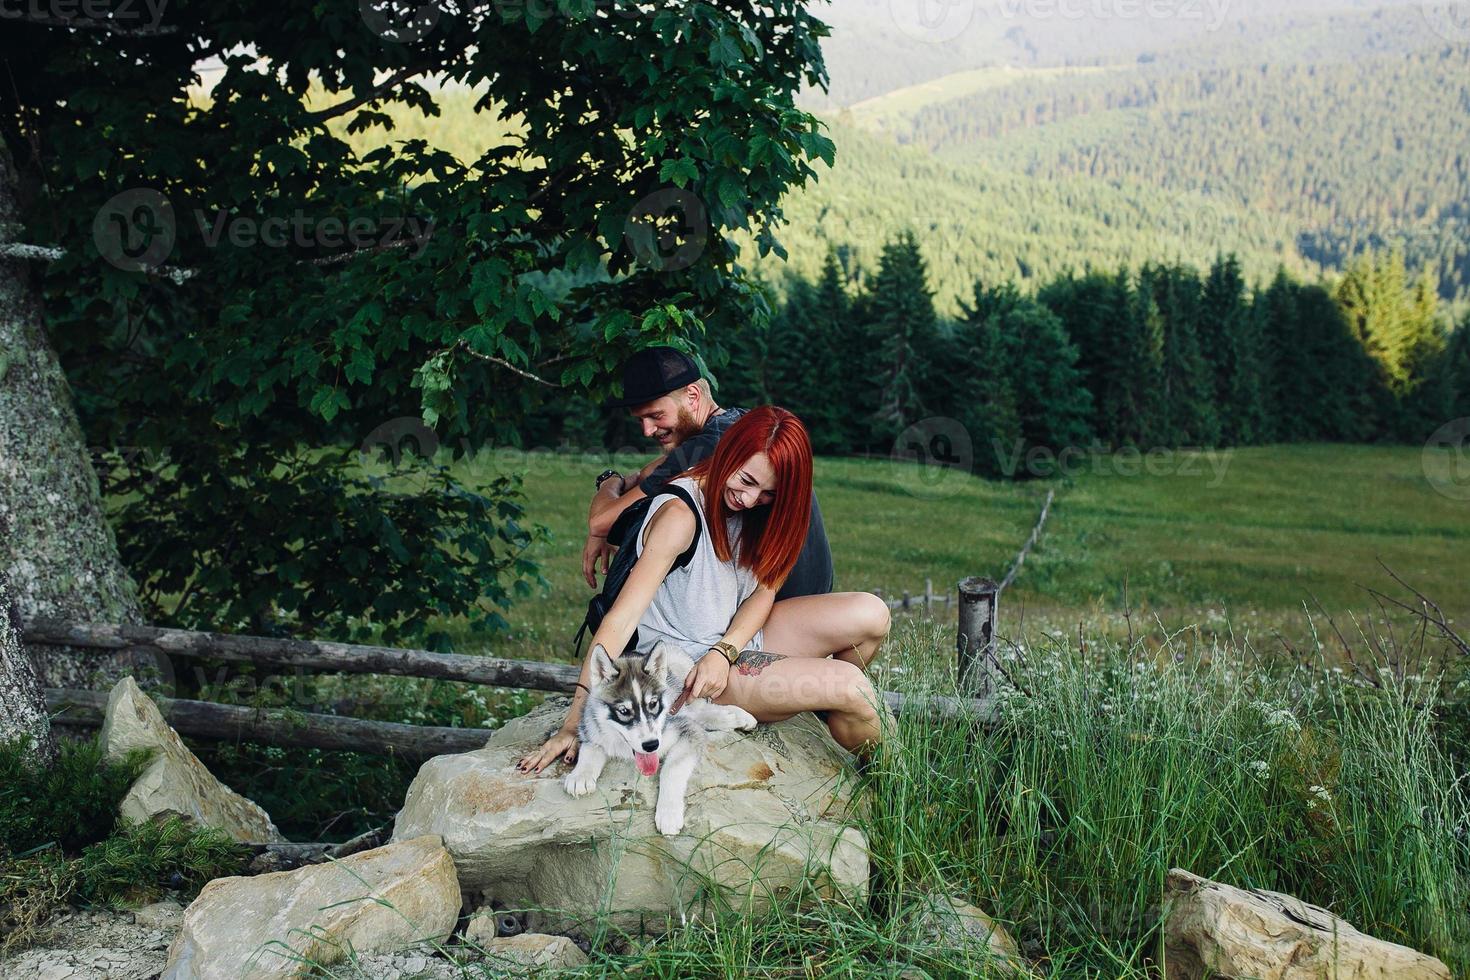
(975, 641)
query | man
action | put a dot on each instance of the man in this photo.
(662, 388)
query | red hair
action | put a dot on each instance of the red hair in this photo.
(772, 536)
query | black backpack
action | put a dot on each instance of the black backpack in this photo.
(624, 535)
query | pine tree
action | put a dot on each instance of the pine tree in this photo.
(1188, 403)
(1230, 345)
(1138, 417)
(902, 330)
(834, 354)
(1096, 311)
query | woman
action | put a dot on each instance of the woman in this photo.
(754, 500)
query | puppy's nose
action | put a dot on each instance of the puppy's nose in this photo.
(651, 745)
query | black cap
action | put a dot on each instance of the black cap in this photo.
(654, 372)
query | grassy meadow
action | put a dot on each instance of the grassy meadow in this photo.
(1245, 540)
(1214, 723)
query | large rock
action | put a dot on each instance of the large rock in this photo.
(768, 811)
(274, 925)
(175, 782)
(1216, 930)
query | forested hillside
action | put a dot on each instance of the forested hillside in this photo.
(878, 46)
(979, 221)
(1344, 156)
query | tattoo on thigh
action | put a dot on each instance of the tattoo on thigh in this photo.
(752, 662)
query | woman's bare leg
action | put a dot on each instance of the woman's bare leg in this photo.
(849, 626)
(773, 687)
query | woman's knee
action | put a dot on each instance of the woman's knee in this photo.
(859, 697)
(875, 616)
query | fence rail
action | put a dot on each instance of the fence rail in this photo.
(292, 727)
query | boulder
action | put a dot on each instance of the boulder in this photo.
(175, 782)
(768, 811)
(1216, 930)
(275, 924)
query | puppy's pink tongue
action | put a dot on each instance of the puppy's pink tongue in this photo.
(647, 762)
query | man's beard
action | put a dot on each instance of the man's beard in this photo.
(684, 426)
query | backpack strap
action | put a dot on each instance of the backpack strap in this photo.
(688, 554)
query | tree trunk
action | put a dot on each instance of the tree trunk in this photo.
(59, 556)
(22, 703)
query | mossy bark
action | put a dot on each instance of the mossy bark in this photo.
(22, 703)
(59, 554)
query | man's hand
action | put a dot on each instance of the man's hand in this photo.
(596, 549)
(708, 678)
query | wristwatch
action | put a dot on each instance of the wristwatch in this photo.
(728, 650)
(606, 475)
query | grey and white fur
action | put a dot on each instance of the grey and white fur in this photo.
(626, 716)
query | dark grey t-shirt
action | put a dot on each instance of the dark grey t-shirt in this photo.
(812, 574)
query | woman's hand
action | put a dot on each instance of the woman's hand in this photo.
(708, 678)
(563, 743)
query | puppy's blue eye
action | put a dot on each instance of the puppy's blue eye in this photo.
(654, 705)
(622, 711)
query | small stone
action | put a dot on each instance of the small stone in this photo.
(532, 950)
(165, 916)
(950, 922)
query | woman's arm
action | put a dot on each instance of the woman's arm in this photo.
(669, 534)
(712, 673)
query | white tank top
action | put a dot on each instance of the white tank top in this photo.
(693, 607)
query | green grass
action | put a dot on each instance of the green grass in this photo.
(1242, 542)
(1063, 819)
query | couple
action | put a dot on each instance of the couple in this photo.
(753, 607)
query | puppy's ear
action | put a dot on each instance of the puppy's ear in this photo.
(603, 667)
(657, 660)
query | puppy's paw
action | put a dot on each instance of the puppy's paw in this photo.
(744, 720)
(669, 819)
(578, 784)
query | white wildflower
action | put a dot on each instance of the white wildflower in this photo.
(1259, 768)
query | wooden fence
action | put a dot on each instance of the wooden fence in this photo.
(293, 727)
(977, 601)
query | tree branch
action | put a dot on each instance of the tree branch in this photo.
(464, 346)
(376, 92)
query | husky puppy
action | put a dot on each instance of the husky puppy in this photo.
(627, 717)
